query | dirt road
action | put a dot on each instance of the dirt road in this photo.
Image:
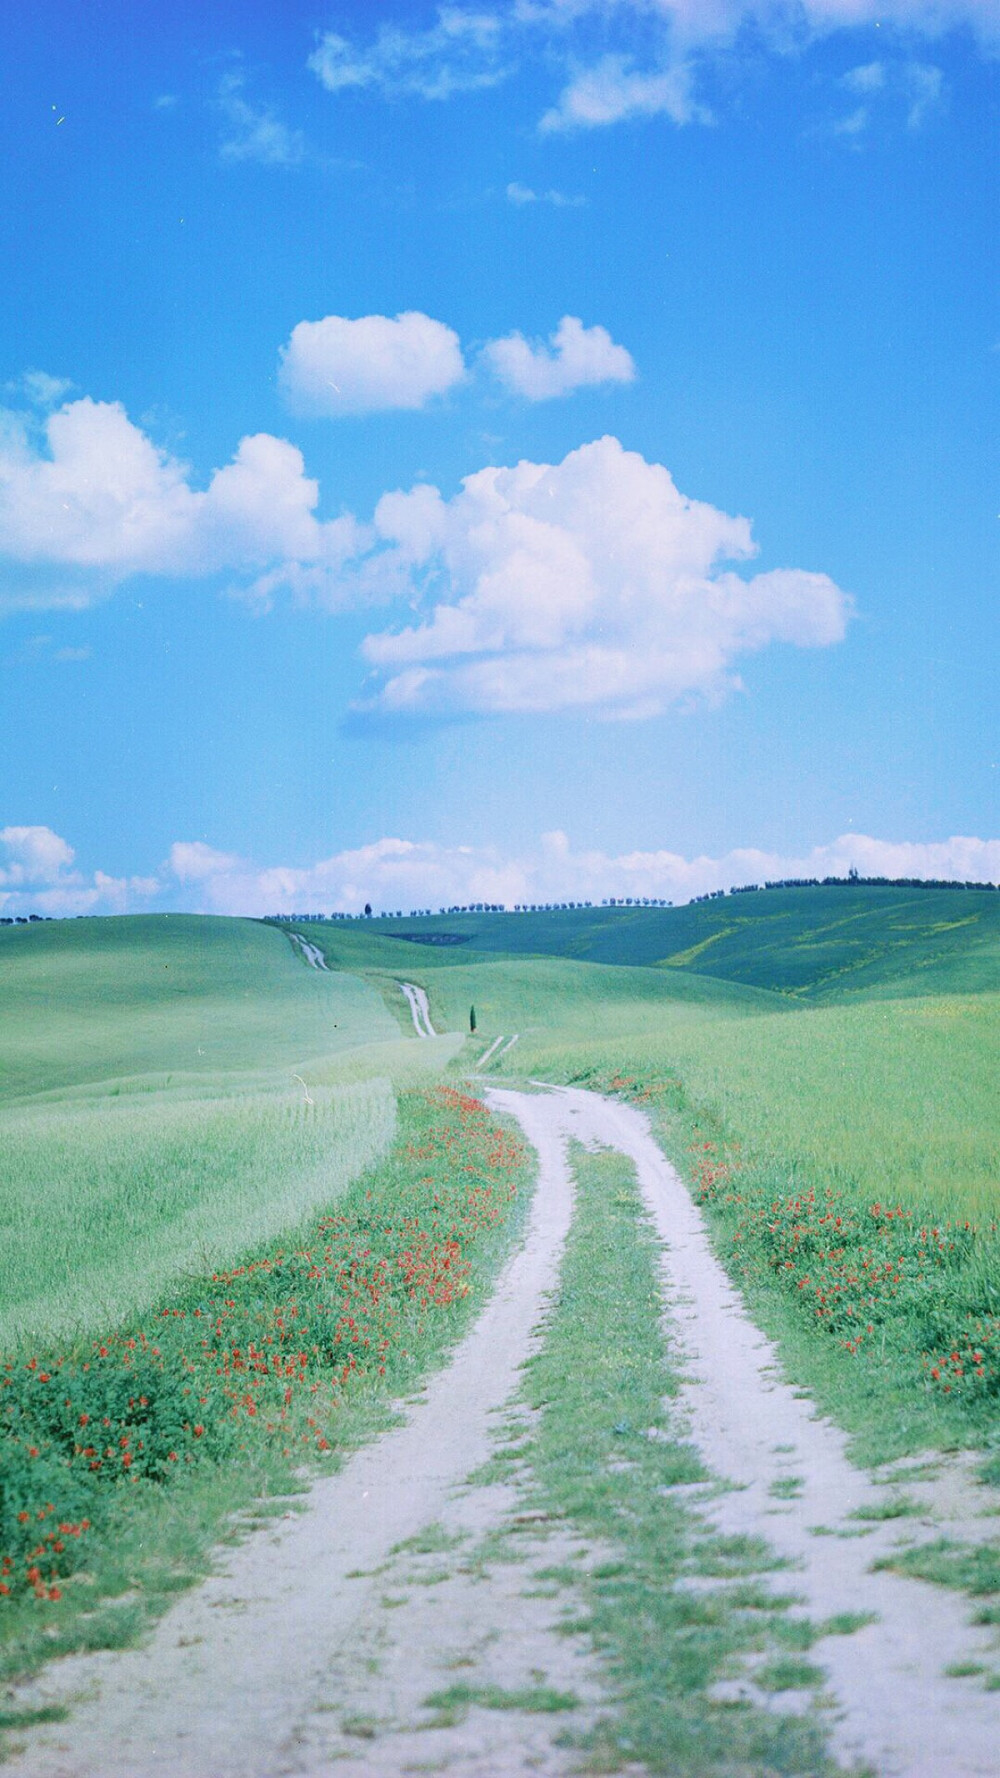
(419, 1008)
(895, 1706)
(316, 1649)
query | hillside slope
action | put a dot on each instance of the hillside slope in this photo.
(814, 943)
(98, 999)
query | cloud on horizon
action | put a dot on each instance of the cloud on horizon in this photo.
(38, 874)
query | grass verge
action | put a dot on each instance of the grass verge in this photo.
(604, 1458)
(890, 1317)
(123, 1460)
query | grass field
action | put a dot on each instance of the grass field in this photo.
(95, 1000)
(107, 1202)
(812, 1101)
(810, 943)
(123, 1458)
(179, 1093)
(153, 1113)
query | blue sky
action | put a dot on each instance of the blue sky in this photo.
(289, 294)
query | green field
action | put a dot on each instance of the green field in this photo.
(841, 1055)
(814, 943)
(883, 1084)
(179, 1093)
(86, 1001)
(153, 1113)
(194, 1123)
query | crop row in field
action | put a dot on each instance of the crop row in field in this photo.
(109, 1199)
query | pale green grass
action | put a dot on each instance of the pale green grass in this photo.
(91, 1000)
(106, 1201)
(896, 1099)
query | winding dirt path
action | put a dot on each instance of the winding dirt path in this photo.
(314, 1649)
(312, 953)
(895, 1706)
(234, 1675)
(419, 1008)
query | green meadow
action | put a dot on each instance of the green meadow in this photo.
(154, 1117)
(181, 1095)
(811, 1059)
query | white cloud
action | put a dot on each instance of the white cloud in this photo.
(404, 874)
(592, 583)
(33, 855)
(917, 89)
(522, 194)
(653, 52)
(459, 53)
(96, 497)
(191, 861)
(575, 356)
(37, 875)
(925, 85)
(615, 89)
(253, 132)
(867, 79)
(44, 390)
(337, 366)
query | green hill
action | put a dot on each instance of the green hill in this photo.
(812, 943)
(98, 999)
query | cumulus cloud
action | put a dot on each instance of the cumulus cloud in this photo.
(402, 874)
(38, 875)
(592, 583)
(574, 357)
(94, 496)
(338, 366)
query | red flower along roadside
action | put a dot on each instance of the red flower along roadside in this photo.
(265, 1350)
(874, 1275)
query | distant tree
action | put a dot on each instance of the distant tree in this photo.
(472, 1019)
(368, 907)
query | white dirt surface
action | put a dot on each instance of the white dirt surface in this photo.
(253, 1673)
(311, 953)
(419, 1008)
(894, 1705)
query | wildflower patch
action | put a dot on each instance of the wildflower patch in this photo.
(265, 1351)
(882, 1280)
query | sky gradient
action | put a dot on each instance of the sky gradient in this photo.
(495, 451)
